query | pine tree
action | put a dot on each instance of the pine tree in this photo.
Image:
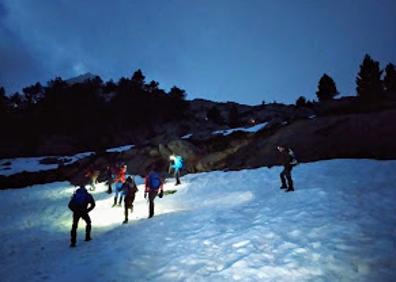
(2, 92)
(109, 87)
(178, 105)
(368, 81)
(327, 89)
(33, 93)
(152, 87)
(301, 101)
(3, 100)
(390, 79)
(138, 79)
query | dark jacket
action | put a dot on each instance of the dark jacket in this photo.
(288, 157)
(109, 175)
(148, 185)
(130, 190)
(80, 201)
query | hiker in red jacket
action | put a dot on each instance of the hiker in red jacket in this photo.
(119, 181)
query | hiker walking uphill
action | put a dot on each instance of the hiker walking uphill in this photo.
(153, 187)
(119, 181)
(79, 203)
(129, 188)
(288, 161)
(176, 166)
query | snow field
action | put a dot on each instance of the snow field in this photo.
(339, 225)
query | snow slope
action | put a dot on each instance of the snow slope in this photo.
(18, 165)
(32, 164)
(120, 149)
(339, 225)
(253, 129)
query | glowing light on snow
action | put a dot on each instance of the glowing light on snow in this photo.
(104, 215)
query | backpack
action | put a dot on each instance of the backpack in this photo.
(292, 156)
(154, 180)
(178, 162)
(79, 200)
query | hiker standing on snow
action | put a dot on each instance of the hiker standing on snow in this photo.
(119, 181)
(109, 179)
(153, 187)
(92, 175)
(288, 160)
(176, 165)
(79, 205)
(129, 189)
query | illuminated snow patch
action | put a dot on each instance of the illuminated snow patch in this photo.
(120, 149)
(18, 165)
(252, 129)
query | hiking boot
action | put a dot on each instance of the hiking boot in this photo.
(88, 239)
(283, 187)
(290, 190)
(72, 245)
(125, 221)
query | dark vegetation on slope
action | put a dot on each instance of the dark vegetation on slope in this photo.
(65, 118)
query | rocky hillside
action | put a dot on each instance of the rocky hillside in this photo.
(340, 129)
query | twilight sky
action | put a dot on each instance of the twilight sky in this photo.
(224, 50)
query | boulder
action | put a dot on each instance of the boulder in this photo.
(164, 151)
(183, 148)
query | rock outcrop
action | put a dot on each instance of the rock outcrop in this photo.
(367, 133)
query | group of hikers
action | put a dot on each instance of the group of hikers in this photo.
(125, 188)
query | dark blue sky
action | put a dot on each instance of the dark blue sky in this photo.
(237, 50)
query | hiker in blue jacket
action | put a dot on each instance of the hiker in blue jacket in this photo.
(153, 186)
(176, 166)
(79, 203)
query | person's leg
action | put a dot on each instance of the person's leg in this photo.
(151, 208)
(121, 197)
(109, 190)
(88, 228)
(289, 179)
(115, 196)
(117, 191)
(93, 185)
(283, 179)
(152, 195)
(177, 175)
(132, 200)
(73, 232)
(125, 212)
